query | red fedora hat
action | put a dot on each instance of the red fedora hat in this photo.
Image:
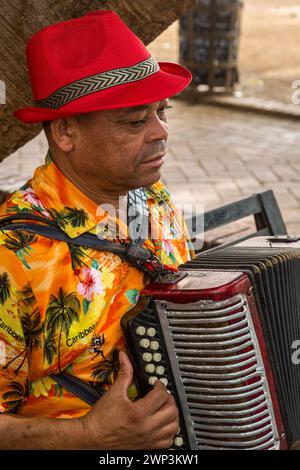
(92, 63)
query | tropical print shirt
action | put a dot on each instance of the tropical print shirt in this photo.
(61, 304)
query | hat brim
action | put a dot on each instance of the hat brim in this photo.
(170, 80)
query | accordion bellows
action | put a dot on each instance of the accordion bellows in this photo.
(221, 340)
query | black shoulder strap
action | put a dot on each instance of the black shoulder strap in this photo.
(133, 252)
(50, 229)
(76, 386)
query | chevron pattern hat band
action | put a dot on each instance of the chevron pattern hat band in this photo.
(98, 82)
(92, 63)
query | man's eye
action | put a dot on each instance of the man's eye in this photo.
(162, 111)
(138, 123)
(165, 107)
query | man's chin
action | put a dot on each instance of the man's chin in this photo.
(150, 179)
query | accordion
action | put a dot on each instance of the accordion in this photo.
(220, 336)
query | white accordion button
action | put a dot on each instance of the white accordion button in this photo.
(160, 370)
(150, 368)
(154, 345)
(147, 357)
(164, 381)
(145, 343)
(152, 380)
(178, 441)
(151, 332)
(156, 357)
(141, 330)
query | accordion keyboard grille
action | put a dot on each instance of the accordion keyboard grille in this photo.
(222, 373)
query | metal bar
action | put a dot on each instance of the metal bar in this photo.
(225, 391)
(184, 321)
(217, 419)
(208, 336)
(196, 381)
(236, 435)
(230, 407)
(272, 214)
(243, 444)
(203, 345)
(202, 352)
(235, 427)
(233, 358)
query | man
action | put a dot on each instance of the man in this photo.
(102, 100)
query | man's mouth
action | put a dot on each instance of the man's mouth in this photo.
(155, 161)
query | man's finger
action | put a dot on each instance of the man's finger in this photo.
(155, 399)
(125, 376)
(167, 414)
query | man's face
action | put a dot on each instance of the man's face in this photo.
(122, 149)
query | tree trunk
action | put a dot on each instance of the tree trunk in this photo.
(20, 19)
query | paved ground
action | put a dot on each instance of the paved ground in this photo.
(215, 156)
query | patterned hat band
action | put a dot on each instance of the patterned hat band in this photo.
(99, 82)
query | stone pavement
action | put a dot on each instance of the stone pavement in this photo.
(215, 156)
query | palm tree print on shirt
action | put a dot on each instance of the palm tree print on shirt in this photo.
(27, 295)
(4, 288)
(77, 253)
(50, 349)
(106, 370)
(20, 243)
(32, 327)
(16, 396)
(62, 311)
(71, 215)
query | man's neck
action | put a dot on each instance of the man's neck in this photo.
(97, 196)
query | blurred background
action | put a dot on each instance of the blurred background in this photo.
(226, 145)
(268, 56)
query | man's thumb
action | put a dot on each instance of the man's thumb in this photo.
(125, 374)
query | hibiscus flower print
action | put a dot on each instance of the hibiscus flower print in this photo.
(90, 284)
(167, 247)
(30, 197)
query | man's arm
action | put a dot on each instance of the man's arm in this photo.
(113, 423)
(17, 432)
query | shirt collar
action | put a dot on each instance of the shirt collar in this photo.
(72, 210)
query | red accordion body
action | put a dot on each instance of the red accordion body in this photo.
(220, 339)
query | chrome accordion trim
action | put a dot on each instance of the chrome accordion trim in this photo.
(99, 82)
(220, 375)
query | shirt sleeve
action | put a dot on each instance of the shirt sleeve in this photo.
(16, 310)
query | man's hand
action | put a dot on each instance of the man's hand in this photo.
(113, 423)
(117, 423)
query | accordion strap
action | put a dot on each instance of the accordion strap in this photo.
(133, 252)
(76, 386)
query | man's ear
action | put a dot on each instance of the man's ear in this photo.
(63, 132)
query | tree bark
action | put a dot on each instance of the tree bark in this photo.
(20, 19)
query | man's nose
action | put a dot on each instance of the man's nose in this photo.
(158, 130)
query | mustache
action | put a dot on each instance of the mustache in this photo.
(161, 148)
